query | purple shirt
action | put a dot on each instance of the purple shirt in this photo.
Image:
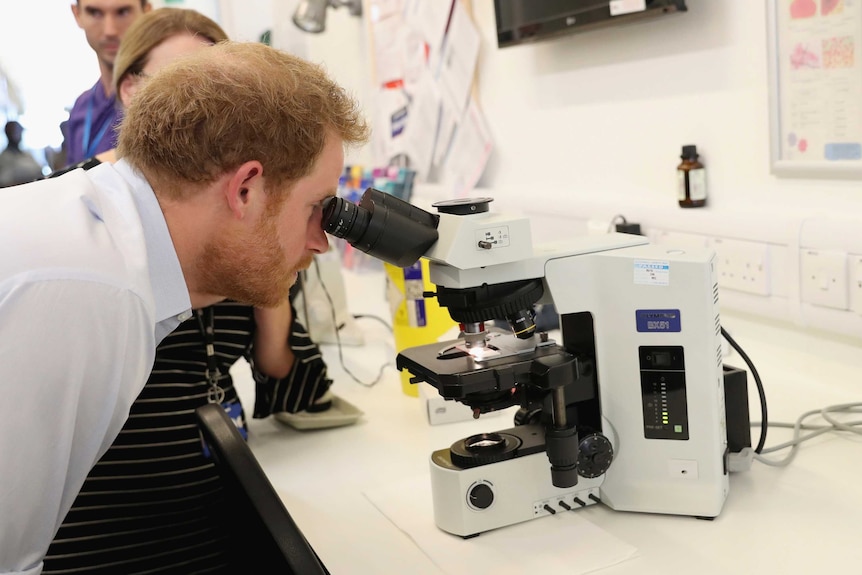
(86, 139)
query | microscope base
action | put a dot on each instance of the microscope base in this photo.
(470, 501)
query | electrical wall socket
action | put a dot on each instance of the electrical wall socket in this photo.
(855, 270)
(823, 277)
(742, 265)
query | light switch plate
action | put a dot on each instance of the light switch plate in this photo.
(823, 278)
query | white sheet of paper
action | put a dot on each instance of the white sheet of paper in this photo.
(448, 121)
(380, 9)
(389, 49)
(387, 140)
(468, 154)
(421, 130)
(460, 53)
(415, 61)
(430, 19)
(561, 543)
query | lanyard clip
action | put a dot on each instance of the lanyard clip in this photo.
(215, 394)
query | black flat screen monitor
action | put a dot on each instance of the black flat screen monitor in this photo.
(521, 21)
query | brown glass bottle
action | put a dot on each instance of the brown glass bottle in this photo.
(691, 179)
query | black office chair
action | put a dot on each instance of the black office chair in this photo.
(265, 531)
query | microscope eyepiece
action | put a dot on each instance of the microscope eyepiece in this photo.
(382, 226)
(344, 219)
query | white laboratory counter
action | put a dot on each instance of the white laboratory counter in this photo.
(803, 518)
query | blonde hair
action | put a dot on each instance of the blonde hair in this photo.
(208, 113)
(154, 27)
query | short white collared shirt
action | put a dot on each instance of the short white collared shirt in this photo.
(89, 285)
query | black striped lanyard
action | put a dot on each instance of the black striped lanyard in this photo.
(215, 394)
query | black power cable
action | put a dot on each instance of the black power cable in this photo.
(761, 393)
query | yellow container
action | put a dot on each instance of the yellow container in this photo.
(415, 320)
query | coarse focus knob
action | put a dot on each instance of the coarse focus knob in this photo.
(480, 496)
(595, 454)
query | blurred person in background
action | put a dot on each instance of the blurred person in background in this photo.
(91, 127)
(153, 502)
(17, 166)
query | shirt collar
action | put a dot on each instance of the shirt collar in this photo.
(170, 292)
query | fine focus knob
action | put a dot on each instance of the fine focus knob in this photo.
(480, 496)
(595, 454)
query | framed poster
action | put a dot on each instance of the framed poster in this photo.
(815, 91)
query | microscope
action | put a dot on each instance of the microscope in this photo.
(626, 410)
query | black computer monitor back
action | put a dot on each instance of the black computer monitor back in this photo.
(263, 530)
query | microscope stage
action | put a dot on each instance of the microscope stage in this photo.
(457, 374)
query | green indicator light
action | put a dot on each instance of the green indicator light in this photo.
(677, 428)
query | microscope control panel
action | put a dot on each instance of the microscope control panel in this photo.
(662, 374)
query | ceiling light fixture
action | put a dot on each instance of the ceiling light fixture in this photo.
(310, 15)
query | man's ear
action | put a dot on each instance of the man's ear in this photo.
(127, 89)
(245, 193)
(76, 14)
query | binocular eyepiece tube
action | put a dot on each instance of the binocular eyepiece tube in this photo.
(382, 226)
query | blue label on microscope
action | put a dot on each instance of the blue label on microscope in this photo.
(658, 320)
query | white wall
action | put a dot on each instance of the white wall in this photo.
(244, 21)
(342, 49)
(607, 112)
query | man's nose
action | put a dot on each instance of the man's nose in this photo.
(318, 242)
(112, 27)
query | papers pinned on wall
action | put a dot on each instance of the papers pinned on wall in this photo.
(427, 117)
